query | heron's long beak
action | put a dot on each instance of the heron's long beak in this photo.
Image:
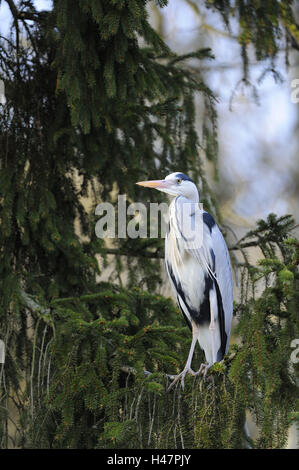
(158, 184)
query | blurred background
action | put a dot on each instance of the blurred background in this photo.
(258, 125)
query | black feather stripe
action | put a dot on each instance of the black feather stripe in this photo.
(209, 221)
(180, 294)
(183, 177)
(199, 316)
(221, 318)
(184, 315)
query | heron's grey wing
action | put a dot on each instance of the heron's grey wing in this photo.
(223, 272)
(209, 248)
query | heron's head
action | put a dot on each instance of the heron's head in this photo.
(175, 184)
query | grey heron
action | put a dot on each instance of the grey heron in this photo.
(199, 268)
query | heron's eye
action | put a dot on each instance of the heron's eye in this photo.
(178, 181)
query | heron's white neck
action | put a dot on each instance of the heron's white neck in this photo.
(184, 199)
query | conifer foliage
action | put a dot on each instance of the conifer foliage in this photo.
(96, 101)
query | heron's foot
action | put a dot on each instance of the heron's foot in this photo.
(180, 377)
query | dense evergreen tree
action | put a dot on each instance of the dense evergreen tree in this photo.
(96, 101)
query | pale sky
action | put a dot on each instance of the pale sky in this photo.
(5, 17)
(258, 151)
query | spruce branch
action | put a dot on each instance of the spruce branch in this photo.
(33, 305)
(22, 15)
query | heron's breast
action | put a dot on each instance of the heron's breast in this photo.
(188, 273)
(192, 281)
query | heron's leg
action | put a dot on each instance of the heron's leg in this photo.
(187, 368)
(195, 332)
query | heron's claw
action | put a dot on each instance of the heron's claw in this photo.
(203, 369)
(181, 377)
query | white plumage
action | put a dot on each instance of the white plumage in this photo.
(199, 268)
